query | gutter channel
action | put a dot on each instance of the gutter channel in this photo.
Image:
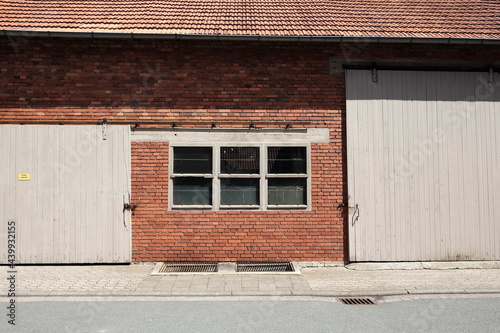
(220, 37)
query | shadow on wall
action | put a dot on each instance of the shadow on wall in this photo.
(164, 75)
(423, 85)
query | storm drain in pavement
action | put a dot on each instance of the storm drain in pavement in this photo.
(267, 266)
(356, 301)
(188, 267)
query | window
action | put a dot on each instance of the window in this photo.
(239, 177)
(192, 181)
(287, 176)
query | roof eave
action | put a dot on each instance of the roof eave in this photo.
(322, 39)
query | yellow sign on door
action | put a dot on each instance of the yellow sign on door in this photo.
(24, 176)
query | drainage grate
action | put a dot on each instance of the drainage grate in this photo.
(266, 266)
(188, 267)
(356, 301)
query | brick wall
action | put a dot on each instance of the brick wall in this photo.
(80, 80)
(231, 235)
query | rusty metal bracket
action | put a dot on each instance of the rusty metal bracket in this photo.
(129, 206)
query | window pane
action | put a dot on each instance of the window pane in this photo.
(287, 191)
(192, 191)
(192, 160)
(236, 160)
(239, 191)
(286, 160)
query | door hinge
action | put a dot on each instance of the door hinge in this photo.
(104, 129)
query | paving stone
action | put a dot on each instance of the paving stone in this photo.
(267, 287)
(135, 280)
(252, 285)
(199, 283)
(287, 284)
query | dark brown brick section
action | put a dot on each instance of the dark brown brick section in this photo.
(80, 80)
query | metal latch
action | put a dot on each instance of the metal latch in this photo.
(129, 206)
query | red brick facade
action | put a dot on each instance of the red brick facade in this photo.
(231, 235)
(70, 80)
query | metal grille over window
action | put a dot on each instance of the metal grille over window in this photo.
(240, 177)
(239, 160)
(287, 176)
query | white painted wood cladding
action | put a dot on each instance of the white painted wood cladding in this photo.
(71, 211)
(423, 151)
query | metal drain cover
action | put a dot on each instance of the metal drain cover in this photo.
(264, 266)
(357, 301)
(188, 267)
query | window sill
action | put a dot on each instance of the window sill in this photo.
(252, 207)
(286, 207)
(192, 207)
(238, 175)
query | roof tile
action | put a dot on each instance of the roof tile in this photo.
(370, 18)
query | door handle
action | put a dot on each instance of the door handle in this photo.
(355, 215)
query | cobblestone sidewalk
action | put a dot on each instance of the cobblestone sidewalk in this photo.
(135, 280)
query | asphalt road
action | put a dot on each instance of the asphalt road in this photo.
(217, 315)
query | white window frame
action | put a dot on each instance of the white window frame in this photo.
(264, 176)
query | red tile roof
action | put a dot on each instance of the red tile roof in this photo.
(373, 18)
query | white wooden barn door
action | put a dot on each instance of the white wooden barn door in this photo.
(423, 151)
(64, 189)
